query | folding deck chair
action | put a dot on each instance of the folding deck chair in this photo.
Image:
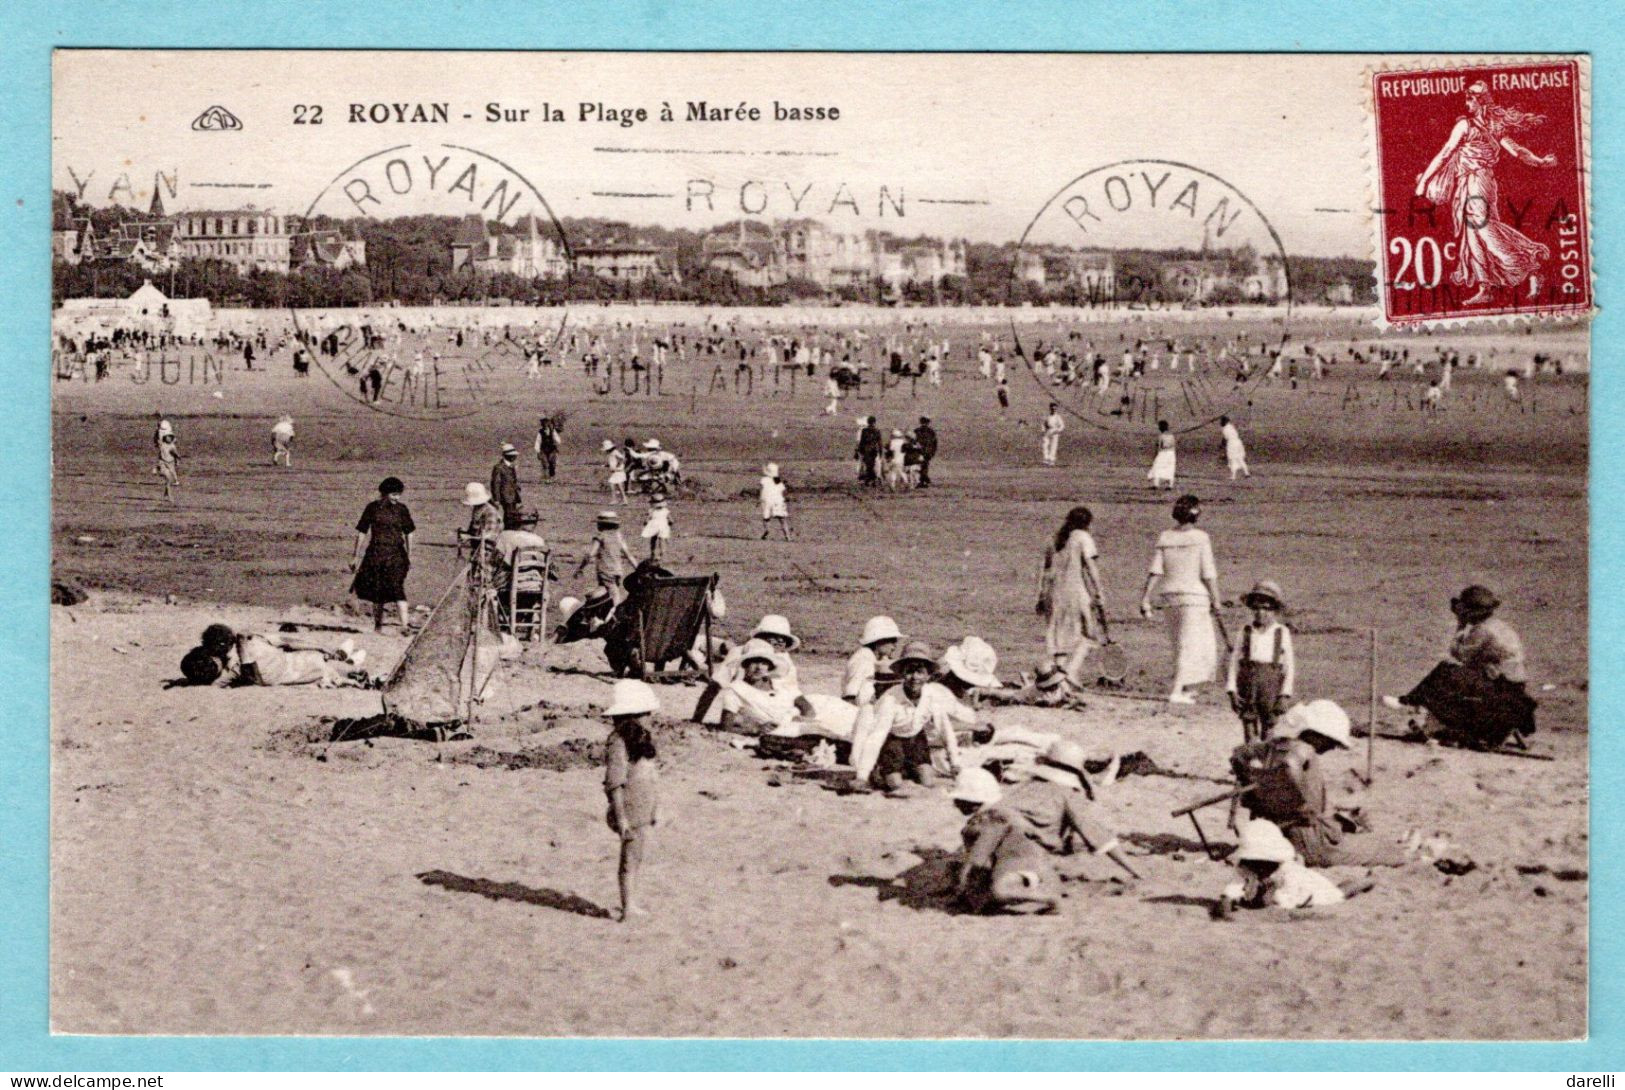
(659, 622)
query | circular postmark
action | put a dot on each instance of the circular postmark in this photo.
(1178, 292)
(458, 219)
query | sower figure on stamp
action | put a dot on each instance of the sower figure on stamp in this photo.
(1489, 253)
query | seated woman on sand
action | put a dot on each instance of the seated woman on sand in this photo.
(761, 702)
(774, 630)
(1478, 696)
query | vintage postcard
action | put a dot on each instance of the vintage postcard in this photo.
(802, 545)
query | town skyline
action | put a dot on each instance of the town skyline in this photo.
(226, 208)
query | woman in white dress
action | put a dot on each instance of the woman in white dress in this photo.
(1161, 474)
(1068, 591)
(774, 505)
(896, 468)
(1235, 452)
(615, 458)
(1186, 582)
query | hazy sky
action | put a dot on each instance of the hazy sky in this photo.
(1005, 131)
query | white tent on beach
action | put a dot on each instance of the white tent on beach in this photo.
(147, 307)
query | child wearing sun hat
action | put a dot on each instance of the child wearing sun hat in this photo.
(772, 493)
(657, 528)
(606, 554)
(631, 781)
(1263, 668)
(1271, 876)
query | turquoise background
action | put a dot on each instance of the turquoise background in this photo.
(29, 29)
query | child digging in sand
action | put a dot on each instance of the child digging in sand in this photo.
(1270, 876)
(630, 782)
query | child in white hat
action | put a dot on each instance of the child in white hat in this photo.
(631, 780)
(876, 646)
(772, 492)
(657, 528)
(1013, 833)
(606, 553)
(615, 457)
(282, 441)
(1000, 869)
(484, 517)
(169, 462)
(1272, 877)
(1288, 788)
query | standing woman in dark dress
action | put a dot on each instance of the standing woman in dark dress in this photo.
(385, 533)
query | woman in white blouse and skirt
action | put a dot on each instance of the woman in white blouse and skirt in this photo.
(1186, 583)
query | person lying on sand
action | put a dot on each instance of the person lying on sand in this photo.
(226, 658)
(758, 701)
(1049, 687)
(1270, 876)
(214, 660)
(1012, 833)
(1018, 753)
(266, 662)
(761, 702)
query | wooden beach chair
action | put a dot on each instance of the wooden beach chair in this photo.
(527, 593)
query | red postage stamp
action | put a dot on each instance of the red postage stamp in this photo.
(1482, 191)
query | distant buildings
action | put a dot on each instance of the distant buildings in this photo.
(1209, 279)
(524, 251)
(527, 250)
(922, 262)
(246, 238)
(764, 255)
(71, 238)
(751, 255)
(1090, 272)
(325, 248)
(625, 262)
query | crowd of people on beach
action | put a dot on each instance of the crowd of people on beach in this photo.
(910, 718)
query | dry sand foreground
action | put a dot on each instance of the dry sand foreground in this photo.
(218, 869)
